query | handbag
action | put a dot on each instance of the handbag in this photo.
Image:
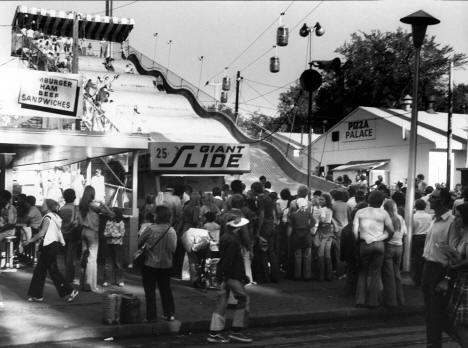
(140, 255)
(75, 230)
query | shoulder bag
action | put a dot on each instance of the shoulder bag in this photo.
(140, 255)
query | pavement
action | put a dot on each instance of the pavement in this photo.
(287, 302)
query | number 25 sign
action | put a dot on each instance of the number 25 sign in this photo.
(199, 158)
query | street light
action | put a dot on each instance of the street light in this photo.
(216, 86)
(155, 37)
(310, 80)
(201, 69)
(419, 22)
(169, 54)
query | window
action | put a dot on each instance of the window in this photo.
(335, 136)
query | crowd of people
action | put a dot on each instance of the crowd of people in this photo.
(258, 236)
(357, 233)
(85, 230)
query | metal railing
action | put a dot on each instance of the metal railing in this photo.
(174, 80)
(95, 119)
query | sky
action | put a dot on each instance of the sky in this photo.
(240, 35)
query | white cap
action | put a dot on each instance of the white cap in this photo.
(237, 222)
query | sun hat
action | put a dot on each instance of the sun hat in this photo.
(237, 221)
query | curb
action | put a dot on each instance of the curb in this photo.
(177, 327)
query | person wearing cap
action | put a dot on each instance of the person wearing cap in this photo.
(231, 273)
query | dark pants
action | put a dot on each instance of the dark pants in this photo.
(435, 303)
(113, 270)
(70, 250)
(282, 245)
(262, 272)
(178, 260)
(369, 276)
(48, 262)
(417, 259)
(162, 277)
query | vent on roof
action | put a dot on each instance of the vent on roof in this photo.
(407, 102)
(430, 104)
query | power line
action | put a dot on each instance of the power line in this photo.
(262, 83)
(307, 15)
(251, 44)
(269, 102)
(274, 90)
(256, 59)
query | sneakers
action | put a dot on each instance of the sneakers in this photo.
(35, 299)
(121, 284)
(239, 337)
(217, 338)
(169, 317)
(72, 295)
(105, 284)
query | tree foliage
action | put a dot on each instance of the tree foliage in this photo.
(377, 71)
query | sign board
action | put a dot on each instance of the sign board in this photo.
(199, 158)
(56, 93)
(359, 130)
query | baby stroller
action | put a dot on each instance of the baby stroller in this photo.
(208, 274)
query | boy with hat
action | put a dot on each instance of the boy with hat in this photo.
(231, 272)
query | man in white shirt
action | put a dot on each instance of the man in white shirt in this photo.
(371, 226)
(435, 266)
(421, 224)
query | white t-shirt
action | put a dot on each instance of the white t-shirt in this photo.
(98, 183)
(54, 232)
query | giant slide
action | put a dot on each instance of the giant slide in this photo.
(141, 99)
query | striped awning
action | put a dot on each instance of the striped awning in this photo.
(60, 23)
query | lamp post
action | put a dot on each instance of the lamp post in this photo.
(155, 37)
(310, 80)
(201, 69)
(216, 86)
(419, 22)
(169, 54)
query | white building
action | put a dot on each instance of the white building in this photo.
(377, 140)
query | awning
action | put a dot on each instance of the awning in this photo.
(60, 23)
(364, 165)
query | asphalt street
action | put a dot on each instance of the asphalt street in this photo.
(408, 331)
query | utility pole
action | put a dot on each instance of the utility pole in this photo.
(109, 13)
(309, 138)
(449, 128)
(238, 79)
(75, 57)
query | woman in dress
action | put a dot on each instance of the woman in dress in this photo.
(326, 237)
(88, 217)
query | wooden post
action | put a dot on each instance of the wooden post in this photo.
(133, 238)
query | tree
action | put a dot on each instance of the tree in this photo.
(255, 123)
(460, 100)
(377, 71)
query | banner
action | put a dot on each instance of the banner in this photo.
(199, 158)
(56, 93)
(359, 130)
